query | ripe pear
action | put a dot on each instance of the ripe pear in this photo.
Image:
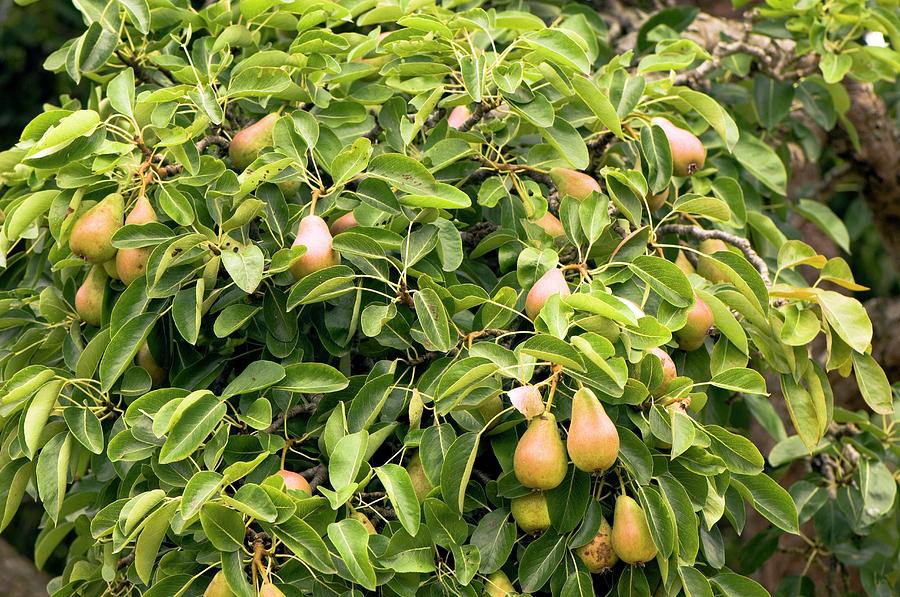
(654, 202)
(669, 371)
(145, 360)
(247, 143)
(458, 116)
(631, 538)
(593, 441)
(421, 485)
(688, 153)
(110, 268)
(90, 295)
(131, 264)
(540, 460)
(343, 223)
(684, 263)
(218, 587)
(551, 225)
(694, 332)
(530, 512)
(552, 282)
(370, 528)
(598, 555)
(270, 590)
(91, 236)
(313, 233)
(574, 183)
(708, 268)
(294, 480)
(498, 585)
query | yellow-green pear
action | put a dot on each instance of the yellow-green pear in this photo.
(530, 512)
(421, 485)
(631, 538)
(131, 264)
(295, 481)
(110, 268)
(688, 153)
(270, 590)
(90, 295)
(247, 143)
(370, 528)
(708, 268)
(593, 440)
(574, 183)
(684, 263)
(498, 585)
(218, 587)
(343, 223)
(147, 362)
(458, 116)
(540, 459)
(91, 236)
(313, 234)
(669, 371)
(699, 320)
(655, 202)
(552, 282)
(598, 555)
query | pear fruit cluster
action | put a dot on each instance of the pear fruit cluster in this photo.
(669, 371)
(598, 555)
(699, 320)
(540, 460)
(573, 183)
(593, 441)
(343, 223)
(707, 267)
(91, 236)
(551, 283)
(688, 152)
(248, 142)
(131, 264)
(313, 233)
(497, 585)
(630, 536)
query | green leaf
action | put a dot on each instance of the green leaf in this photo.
(256, 376)
(599, 104)
(434, 320)
(305, 543)
(457, 469)
(200, 488)
(351, 539)
(739, 453)
(735, 585)
(557, 47)
(120, 91)
(762, 162)
(769, 499)
(310, 378)
(873, 383)
(192, 427)
(715, 115)
(847, 317)
(232, 318)
(223, 526)
(825, 220)
(400, 491)
(123, 347)
(346, 459)
(549, 348)
(495, 537)
(747, 381)
(540, 560)
(245, 266)
(665, 279)
(85, 427)
(150, 539)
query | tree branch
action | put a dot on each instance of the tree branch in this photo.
(297, 410)
(732, 239)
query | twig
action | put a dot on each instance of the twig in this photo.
(318, 476)
(741, 243)
(125, 562)
(476, 116)
(217, 140)
(297, 410)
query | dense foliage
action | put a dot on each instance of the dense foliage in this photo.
(374, 243)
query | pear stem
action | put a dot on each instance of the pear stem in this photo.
(557, 369)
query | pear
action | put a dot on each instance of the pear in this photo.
(688, 153)
(343, 223)
(694, 332)
(551, 225)
(655, 202)
(458, 116)
(91, 236)
(574, 183)
(218, 587)
(540, 459)
(313, 233)
(110, 268)
(530, 512)
(669, 371)
(598, 555)
(247, 143)
(552, 282)
(90, 295)
(294, 480)
(145, 360)
(421, 485)
(131, 264)
(708, 268)
(269, 590)
(684, 264)
(490, 408)
(498, 585)
(370, 528)
(593, 441)
(631, 538)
